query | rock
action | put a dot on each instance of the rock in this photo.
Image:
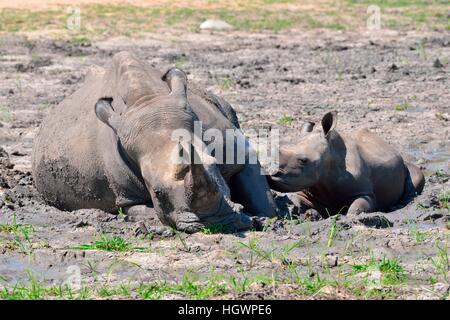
(3, 153)
(81, 224)
(312, 215)
(393, 68)
(439, 177)
(33, 65)
(432, 216)
(141, 230)
(375, 221)
(442, 116)
(3, 183)
(18, 153)
(164, 232)
(437, 63)
(211, 24)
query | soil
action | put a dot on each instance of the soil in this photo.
(387, 81)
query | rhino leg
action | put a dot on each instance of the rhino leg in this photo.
(362, 204)
(251, 189)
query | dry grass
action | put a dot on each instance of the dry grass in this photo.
(112, 18)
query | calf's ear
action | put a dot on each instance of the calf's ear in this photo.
(307, 126)
(329, 122)
(105, 113)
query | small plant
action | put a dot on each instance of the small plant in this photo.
(444, 200)
(14, 227)
(214, 229)
(390, 272)
(5, 114)
(432, 280)
(226, 83)
(421, 206)
(441, 262)
(312, 285)
(80, 40)
(189, 287)
(256, 253)
(185, 246)
(120, 290)
(393, 272)
(108, 243)
(35, 56)
(286, 249)
(415, 233)
(418, 235)
(239, 284)
(180, 62)
(402, 106)
(33, 291)
(340, 74)
(333, 233)
(421, 51)
(121, 213)
(22, 235)
(285, 120)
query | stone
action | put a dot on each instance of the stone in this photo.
(211, 24)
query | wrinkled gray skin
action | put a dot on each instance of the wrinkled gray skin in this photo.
(109, 145)
(336, 173)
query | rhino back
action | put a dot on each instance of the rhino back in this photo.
(386, 167)
(67, 156)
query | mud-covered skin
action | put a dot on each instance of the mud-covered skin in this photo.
(109, 145)
(354, 173)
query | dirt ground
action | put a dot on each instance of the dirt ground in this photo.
(393, 82)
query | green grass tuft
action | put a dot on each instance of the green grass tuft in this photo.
(402, 106)
(285, 120)
(215, 229)
(108, 243)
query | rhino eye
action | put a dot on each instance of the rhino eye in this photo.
(157, 192)
(302, 161)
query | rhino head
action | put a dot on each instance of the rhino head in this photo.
(302, 165)
(186, 195)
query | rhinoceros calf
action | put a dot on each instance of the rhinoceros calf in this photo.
(337, 173)
(109, 145)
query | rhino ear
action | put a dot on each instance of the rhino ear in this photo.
(329, 122)
(105, 113)
(307, 126)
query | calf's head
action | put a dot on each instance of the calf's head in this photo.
(187, 195)
(303, 164)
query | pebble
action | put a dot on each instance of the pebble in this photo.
(211, 24)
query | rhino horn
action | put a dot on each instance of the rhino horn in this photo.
(177, 81)
(199, 178)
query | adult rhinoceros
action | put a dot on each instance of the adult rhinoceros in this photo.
(109, 146)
